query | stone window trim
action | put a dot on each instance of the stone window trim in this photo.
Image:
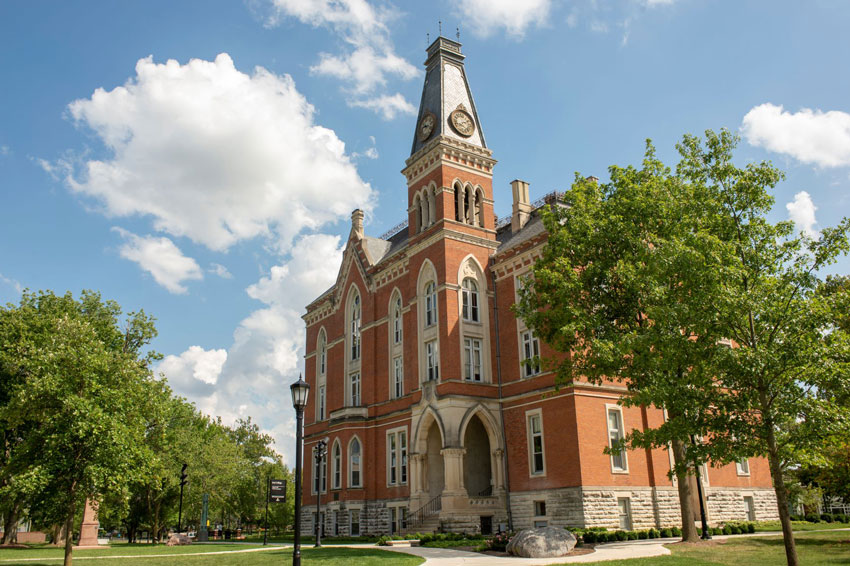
(397, 377)
(321, 402)
(322, 353)
(395, 345)
(743, 467)
(472, 359)
(336, 465)
(531, 434)
(354, 393)
(529, 354)
(397, 319)
(355, 322)
(397, 456)
(355, 469)
(431, 304)
(617, 410)
(470, 300)
(540, 508)
(432, 360)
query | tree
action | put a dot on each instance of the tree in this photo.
(782, 383)
(621, 292)
(80, 389)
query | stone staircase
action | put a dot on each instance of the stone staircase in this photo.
(429, 525)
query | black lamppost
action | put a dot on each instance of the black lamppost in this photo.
(319, 452)
(300, 389)
(183, 482)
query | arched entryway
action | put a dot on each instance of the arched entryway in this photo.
(477, 465)
(435, 470)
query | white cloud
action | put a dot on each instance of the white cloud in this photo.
(598, 26)
(161, 258)
(370, 60)
(216, 155)
(268, 345)
(4, 150)
(802, 212)
(489, 16)
(193, 372)
(12, 283)
(654, 3)
(387, 106)
(220, 270)
(811, 136)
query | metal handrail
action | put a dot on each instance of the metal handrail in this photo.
(422, 514)
(486, 492)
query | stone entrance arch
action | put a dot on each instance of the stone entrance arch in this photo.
(477, 465)
(434, 466)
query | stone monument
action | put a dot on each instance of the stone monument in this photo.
(89, 528)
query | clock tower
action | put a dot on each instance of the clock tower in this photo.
(450, 169)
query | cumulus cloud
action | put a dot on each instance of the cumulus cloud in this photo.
(486, 17)
(12, 283)
(811, 136)
(371, 59)
(268, 345)
(802, 212)
(220, 270)
(215, 154)
(193, 372)
(161, 258)
(387, 106)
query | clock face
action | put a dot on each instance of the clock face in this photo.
(462, 122)
(426, 126)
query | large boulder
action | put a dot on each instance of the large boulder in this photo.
(547, 542)
(178, 539)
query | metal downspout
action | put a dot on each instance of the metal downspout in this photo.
(501, 410)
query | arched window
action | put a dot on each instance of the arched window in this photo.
(424, 211)
(470, 300)
(355, 328)
(397, 327)
(323, 352)
(336, 466)
(354, 474)
(479, 210)
(417, 213)
(432, 206)
(430, 304)
(459, 202)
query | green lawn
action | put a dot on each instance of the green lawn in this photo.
(763, 526)
(176, 556)
(814, 549)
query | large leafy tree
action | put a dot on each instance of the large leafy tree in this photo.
(786, 383)
(622, 292)
(76, 388)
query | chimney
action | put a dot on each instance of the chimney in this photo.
(357, 223)
(522, 205)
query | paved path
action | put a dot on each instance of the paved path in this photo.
(609, 551)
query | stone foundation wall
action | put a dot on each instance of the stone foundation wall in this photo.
(563, 507)
(726, 504)
(374, 517)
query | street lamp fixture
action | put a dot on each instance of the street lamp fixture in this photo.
(300, 390)
(319, 452)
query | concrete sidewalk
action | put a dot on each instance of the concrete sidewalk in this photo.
(609, 551)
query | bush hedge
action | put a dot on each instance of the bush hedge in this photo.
(597, 535)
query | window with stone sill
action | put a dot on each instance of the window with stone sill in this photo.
(430, 304)
(615, 434)
(354, 462)
(432, 361)
(397, 457)
(354, 390)
(354, 522)
(397, 389)
(470, 300)
(743, 467)
(472, 359)
(336, 461)
(397, 321)
(531, 354)
(537, 462)
(355, 328)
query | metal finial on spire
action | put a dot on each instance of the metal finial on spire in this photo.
(457, 29)
(440, 24)
(428, 37)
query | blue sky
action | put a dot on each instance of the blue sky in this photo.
(200, 159)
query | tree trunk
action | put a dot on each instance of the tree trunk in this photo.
(69, 531)
(689, 529)
(10, 524)
(781, 496)
(155, 527)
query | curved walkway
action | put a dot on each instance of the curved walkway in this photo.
(604, 552)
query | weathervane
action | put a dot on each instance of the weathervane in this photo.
(440, 24)
(457, 29)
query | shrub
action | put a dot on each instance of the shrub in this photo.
(751, 527)
(826, 517)
(643, 535)
(602, 537)
(797, 518)
(716, 531)
(666, 533)
(841, 518)
(631, 535)
(677, 532)
(736, 530)
(812, 518)
(621, 535)
(589, 537)
(653, 533)
(500, 541)
(727, 530)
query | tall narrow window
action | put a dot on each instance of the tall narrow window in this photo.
(470, 300)
(323, 353)
(535, 432)
(615, 434)
(531, 354)
(472, 359)
(397, 457)
(624, 509)
(337, 466)
(398, 377)
(354, 389)
(397, 332)
(743, 467)
(432, 361)
(321, 399)
(355, 328)
(391, 441)
(430, 304)
(354, 529)
(354, 463)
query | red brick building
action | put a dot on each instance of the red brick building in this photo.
(420, 375)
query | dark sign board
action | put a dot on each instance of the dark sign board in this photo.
(277, 491)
